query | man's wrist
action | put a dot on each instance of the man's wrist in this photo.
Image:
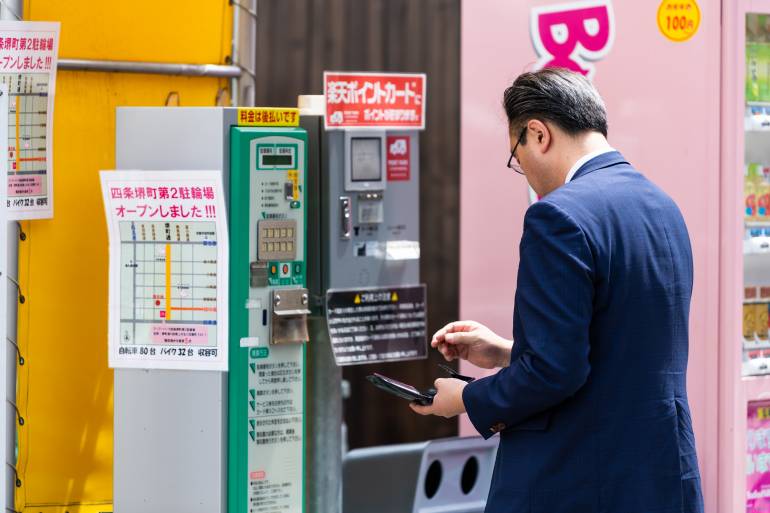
(462, 409)
(504, 358)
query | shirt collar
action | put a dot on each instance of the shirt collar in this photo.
(582, 160)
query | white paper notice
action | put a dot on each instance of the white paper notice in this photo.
(28, 56)
(168, 269)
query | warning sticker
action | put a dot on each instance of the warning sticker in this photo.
(377, 324)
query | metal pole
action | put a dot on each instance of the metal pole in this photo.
(244, 48)
(152, 68)
(8, 449)
(234, 82)
(324, 414)
(250, 91)
(9, 10)
(323, 409)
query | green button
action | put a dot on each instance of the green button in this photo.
(253, 367)
(253, 436)
(253, 405)
(297, 268)
(253, 394)
(295, 204)
(252, 423)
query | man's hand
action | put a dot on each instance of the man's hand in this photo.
(469, 340)
(448, 401)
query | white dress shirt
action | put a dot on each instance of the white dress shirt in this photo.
(582, 160)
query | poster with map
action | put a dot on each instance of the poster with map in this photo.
(28, 58)
(168, 269)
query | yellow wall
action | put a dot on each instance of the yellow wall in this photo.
(65, 387)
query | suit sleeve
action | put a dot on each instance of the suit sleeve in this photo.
(554, 306)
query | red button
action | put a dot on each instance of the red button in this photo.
(285, 269)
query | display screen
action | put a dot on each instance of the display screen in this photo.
(366, 159)
(277, 160)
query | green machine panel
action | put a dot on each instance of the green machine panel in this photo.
(268, 323)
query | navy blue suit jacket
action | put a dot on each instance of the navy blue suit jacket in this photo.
(592, 411)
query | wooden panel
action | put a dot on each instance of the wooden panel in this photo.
(297, 40)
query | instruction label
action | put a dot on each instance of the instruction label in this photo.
(377, 324)
(276, 429)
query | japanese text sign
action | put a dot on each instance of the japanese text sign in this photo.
(28, 57)
(168, 269)
(678, 20)
(375, 100)
(267, 116)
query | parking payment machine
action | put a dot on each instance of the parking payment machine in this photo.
(204, 442)
(363, 260)
(375, 303)
(270, 305)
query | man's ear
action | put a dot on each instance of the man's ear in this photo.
(542, 134)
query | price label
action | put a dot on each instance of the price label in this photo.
(678, 20)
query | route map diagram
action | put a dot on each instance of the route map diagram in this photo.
(27, 140)
(168, 284)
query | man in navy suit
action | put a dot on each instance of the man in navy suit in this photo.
(590, 400)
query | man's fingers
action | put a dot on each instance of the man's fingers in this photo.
(448, 352)
(422, 410)
(462, 326)
(452, 327)
(459, 338)
(438, 337)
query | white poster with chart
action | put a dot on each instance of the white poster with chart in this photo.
(168, 269)
(28, 57)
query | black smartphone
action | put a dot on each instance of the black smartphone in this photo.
(401, 390)
(453, 373)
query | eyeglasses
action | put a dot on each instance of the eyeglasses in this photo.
(515, 165)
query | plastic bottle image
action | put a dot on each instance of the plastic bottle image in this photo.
(762, 320)
(750, 192)
(749, 321)
(762, 191)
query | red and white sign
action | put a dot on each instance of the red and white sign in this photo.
(398, 158)
(375, 100)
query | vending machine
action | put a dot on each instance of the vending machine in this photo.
(744, 480)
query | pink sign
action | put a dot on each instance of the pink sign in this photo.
(25, 185)
(572, 35)
(398, 158)
(186, 334)
(758, 458)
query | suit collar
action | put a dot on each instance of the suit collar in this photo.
(608, 159)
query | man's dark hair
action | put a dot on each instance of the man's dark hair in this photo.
(560, 96)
